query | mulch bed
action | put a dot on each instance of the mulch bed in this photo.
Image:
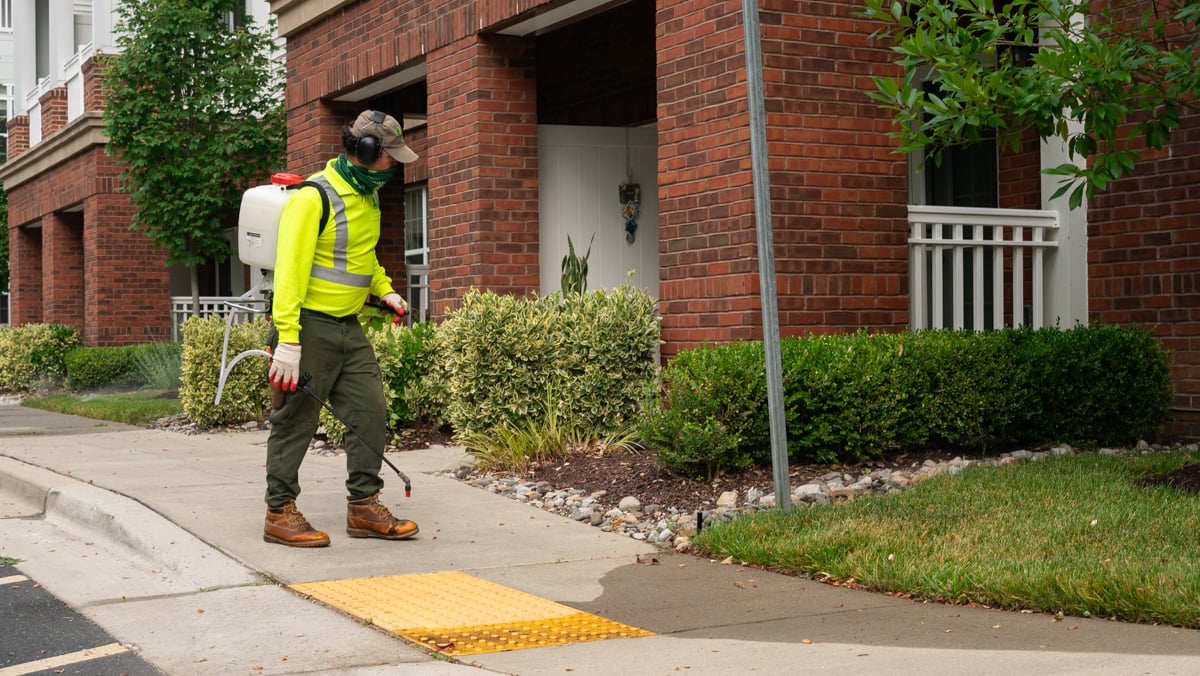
(1186, 478)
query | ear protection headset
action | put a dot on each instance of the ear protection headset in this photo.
(367, 148)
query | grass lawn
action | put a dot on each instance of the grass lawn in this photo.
(132, 408)
(1076, 534)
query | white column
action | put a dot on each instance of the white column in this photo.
(62, 40)
(103, 18)
(1066, 271)
(24, 54)
(260, 10)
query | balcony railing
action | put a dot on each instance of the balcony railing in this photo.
(221, 306)
(980, 268)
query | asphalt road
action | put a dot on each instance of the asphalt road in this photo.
(42, 635)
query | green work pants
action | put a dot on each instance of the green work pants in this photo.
(346, 374)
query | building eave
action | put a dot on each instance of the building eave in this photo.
(79, 135)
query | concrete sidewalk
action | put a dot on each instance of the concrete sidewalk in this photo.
(157, 537)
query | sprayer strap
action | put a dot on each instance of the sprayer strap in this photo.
(324, 202)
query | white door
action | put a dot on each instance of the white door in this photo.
(580, 173)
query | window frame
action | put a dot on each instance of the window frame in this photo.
(416, 260)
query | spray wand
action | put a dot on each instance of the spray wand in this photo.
(302, 386)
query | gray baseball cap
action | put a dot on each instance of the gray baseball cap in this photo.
(385, 128)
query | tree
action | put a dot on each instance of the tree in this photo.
(1123, 70)
(194, 111)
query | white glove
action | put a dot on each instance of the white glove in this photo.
(285, 366)
(397, 304)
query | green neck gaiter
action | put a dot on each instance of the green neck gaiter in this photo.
(364, 181)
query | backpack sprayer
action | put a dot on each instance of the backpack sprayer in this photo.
(258, 234)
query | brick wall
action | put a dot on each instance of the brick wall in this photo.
(62, 262)
(25, 274)
(483, 198)
(18, 136)
(838, 192)
(101, 277)
(54, 111)
(1020, 175)
(127, 274)
(93, 74)
(1144, 256)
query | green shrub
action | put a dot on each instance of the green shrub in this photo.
(246, 395)
(852, 397)
(427, 397)
(501, 356)
(843, 396)
(95, 367)
(711, 414)
(690, 425)
(155, 365)
(158, 365)
(33, 355)
(962, 384)
(608, 354)
(401, 353)
(1114, 381)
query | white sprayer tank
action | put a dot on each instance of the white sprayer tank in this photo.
(258, 220)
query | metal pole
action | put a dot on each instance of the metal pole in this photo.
(766, 255)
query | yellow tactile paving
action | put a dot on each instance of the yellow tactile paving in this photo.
(458, 614)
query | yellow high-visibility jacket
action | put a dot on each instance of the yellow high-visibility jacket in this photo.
(332, 273)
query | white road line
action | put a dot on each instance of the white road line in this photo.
(11, 579)
(64, 660)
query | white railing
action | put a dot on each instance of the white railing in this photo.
(74, 76)
(33, 108)
(979, 268)
(221, 306)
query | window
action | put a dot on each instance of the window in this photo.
(6, 107)
(416, 250)
(235, 18)
(6, 15)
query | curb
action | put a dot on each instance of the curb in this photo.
(96, 513)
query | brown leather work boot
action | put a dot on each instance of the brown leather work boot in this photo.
(366, 518)
(287, 526)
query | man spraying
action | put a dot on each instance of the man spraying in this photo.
(323, 276)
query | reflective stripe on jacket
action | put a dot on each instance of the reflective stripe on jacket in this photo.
(332, 273)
